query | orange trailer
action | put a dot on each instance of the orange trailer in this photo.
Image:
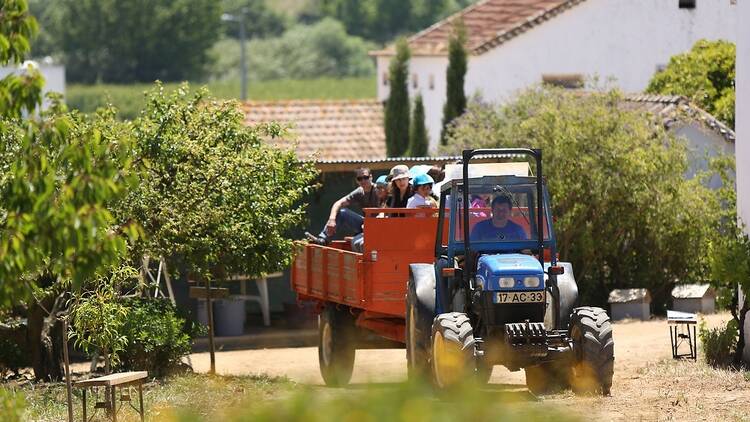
(371, 283)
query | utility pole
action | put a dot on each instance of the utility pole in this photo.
(742, 126)
(240, 19)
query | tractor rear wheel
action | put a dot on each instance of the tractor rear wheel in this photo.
(593, 350)
(336, 346)
(418, 327)
(452, 357)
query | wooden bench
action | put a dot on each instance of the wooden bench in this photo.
(111, 382)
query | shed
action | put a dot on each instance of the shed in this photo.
(694, 298)
(630, 303)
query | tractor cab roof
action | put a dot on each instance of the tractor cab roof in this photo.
(453, 172)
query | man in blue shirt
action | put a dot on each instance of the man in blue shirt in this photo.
(500, 227)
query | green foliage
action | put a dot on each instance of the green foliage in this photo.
(97, 318)
(418, 140)
(157, 336)
(626, 217)
(19, 93)
(60, 176)
(455, 103)
(214, 192)
(302, 52)
(126, 41)
(260, 20)
(129, 100)
(12, 405)
(397, 105)
(719, 344)
(382, 20)
(705, 74)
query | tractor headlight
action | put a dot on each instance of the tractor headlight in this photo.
(531, 282)
(507, 282)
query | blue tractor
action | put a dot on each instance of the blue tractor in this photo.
(496, 295)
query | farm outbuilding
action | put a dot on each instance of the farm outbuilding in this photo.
(694, 298)
(630, 303)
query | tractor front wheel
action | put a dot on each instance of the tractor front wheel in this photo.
(593, 351)
(452, 357)
(336, 345)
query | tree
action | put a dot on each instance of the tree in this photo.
(140, 40)
(455, 100)
(18, 93)
(729, 255)
(418, 139)
(397, 105)
(214, 193)
(705, 75)
(626, 216)
(260, 20)
(303, 52)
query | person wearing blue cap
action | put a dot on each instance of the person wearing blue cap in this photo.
(381, 186)
(423, 187)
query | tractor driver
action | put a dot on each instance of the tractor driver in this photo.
(500, 227)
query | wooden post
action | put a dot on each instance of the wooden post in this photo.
(68, 385)
(210, 309)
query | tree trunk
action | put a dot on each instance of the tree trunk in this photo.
(738, 354)
(45, 337)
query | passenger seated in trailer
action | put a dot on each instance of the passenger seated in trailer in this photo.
(422, 196)
(499, 227)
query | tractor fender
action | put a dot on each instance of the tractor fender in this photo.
(423, 277)
(568, 287)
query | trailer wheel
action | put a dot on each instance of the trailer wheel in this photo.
(336, 346)
(593, 350)
(452, 350)
(418, 328)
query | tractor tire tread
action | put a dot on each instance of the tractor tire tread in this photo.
(598, 347)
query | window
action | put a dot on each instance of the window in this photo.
(564, 80)
(687, 4)
(414, 81)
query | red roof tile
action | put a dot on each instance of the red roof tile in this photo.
(332, 129)
(488, 23)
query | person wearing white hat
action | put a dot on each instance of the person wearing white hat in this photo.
(401, 190)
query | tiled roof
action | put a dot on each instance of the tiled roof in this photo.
(629, 295)
(691, 291)
(331, 129)
(489, 23)
(674, 108)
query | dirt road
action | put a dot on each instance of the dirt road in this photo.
(647, 385)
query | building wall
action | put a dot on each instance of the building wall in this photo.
(634, 310)
(743, 130)
(704, 305)
(703, 144)
(587, 40)
(54, 78)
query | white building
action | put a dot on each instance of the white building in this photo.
(517, 43)
(53, 74)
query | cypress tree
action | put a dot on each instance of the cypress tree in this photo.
(455, 102)
(397, 105)
(418, 132)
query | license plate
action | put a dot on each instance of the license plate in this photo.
(519, 297)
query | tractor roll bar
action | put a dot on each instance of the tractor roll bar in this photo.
(467, 155)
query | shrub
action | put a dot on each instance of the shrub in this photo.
(303, 52)
(626, 215)
(157, 336)
(12, 357)
(719, 343)
(12, 405)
